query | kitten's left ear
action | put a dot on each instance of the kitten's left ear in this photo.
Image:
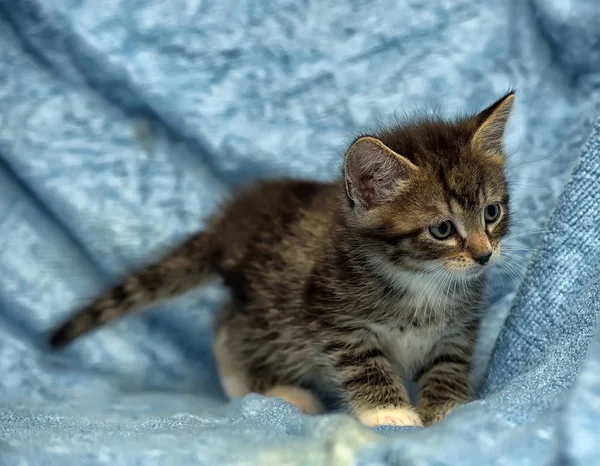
(373, 172)
(491, 125)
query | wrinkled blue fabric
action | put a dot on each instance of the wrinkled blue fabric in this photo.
(125, 123)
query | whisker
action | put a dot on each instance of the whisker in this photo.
(512, 247)
(426, 295)
(440, 301)
(445, 286)
(515, 256)
(512, 167)
(521, 253)
(517, 268)
(454, 283)
(501, 281)
(418, 303)
(528, 185)
(518, 260)
(529, 233)
(513, 279)
(512, 274)
(512, 153)
(520, 270)
(536, 179)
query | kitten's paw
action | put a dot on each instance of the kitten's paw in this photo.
(435, 413)
(390, 417)
(302, 399)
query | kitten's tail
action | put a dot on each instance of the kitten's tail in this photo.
(183, 269)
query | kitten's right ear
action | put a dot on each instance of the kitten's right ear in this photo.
(491, 124)
(373, 172)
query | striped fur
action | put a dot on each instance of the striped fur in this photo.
(341, 288)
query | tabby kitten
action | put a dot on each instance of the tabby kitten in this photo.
(354, 287)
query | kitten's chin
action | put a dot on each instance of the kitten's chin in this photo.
(468, 273)
(472, 272)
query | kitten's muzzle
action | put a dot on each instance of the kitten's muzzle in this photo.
(483, 259)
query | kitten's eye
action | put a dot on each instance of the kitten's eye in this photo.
(491, 213)
(443, 231)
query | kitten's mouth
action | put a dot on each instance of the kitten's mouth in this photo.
(468, 271)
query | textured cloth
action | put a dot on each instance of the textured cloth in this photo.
(125, 123)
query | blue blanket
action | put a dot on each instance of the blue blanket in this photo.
(124, 123)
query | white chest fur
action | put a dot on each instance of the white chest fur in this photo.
(423, 291)
(407, 350)
(426, 295)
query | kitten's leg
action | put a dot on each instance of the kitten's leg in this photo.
(444, 382)
(301, 398)
(234, 378)
(373, 391)
(237, 382)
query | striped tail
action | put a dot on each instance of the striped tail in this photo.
(180, 271)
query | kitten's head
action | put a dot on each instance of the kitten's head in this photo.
(432, 195)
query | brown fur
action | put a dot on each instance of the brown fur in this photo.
(341, 287)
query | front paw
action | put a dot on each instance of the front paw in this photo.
(404, 416)
(432, 414)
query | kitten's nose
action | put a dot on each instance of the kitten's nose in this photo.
(484, 259)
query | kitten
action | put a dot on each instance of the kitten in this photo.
(354, 287)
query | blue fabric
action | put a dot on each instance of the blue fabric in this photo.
(124, 123)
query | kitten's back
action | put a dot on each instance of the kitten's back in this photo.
(261, 238)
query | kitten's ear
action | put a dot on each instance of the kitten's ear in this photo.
(491, 125)
(373, 172)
